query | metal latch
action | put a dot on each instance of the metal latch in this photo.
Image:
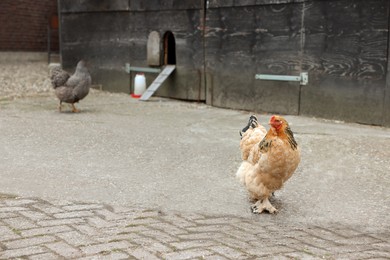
(303, 78)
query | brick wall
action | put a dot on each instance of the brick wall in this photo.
(23, 25)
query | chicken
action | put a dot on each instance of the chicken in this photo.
(269, 160)
(71, 89)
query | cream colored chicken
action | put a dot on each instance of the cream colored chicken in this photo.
(269, 160)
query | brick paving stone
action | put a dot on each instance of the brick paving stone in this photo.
(347, 232)
(57, 222)
(4, 215)
(269, 250)
(20, 252)
(108, 215)
(113, 238)
(370, 254)
(11, 209)
(105, 247)
(143, 221)
(44, 256)
(178, 221)
(193, 244)
(98, 222)
(301, 255)
(76, 239)
(87, 229)
(317, 242)
(142, 240)
(82, 207)
(160, 236)
(63, 230)
(210, 228)
(194, 216)
(384, 246)
(64, 250)
(133, 229)
(44, 230)
(249, 228)
(169, 228)
(187, 254)
(7, 233)
(234, 242)
(20, 223)
(201, 236)
(26, 242)
(216, 257)
(141, 253)
(349, 248)
(229, 252)
(47, 208)
(308, 249)
(34, 215)
(242, 235)
(109, 256)
(325, 234)
(18, 202)
(73, 214)
(358, 240)
(384, 236)
(158, 248)
(214, 221)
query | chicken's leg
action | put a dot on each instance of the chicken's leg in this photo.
(60, 106)
(262, 205)
(74, 109)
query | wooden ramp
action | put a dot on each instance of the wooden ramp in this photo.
(157, 82)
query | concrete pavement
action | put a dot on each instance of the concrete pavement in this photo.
(156, 179)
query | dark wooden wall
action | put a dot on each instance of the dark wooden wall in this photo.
(342, 44)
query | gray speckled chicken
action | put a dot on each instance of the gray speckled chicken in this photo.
(71, 89)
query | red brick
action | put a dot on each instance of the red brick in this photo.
(24, 25)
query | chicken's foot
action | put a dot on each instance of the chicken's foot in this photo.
(262, 205)
(74, 109)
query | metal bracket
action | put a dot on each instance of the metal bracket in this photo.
(129, 69)
(303, 78)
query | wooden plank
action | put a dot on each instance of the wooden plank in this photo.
(158, 82)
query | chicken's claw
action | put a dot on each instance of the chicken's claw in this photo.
(74, 109)
(260, 206)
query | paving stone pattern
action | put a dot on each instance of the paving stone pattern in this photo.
(33, 228)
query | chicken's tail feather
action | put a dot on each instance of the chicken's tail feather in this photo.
(252, 123)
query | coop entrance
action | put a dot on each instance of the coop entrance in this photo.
(169, 49)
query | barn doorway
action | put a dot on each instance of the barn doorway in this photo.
(169, 49)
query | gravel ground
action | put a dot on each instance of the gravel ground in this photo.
(23, 78)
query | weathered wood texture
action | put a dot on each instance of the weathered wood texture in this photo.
(232, 3)
(157, 5)
(346, 54)
(244, 41)
(342, 44)
(103, 40)
(386, 105)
